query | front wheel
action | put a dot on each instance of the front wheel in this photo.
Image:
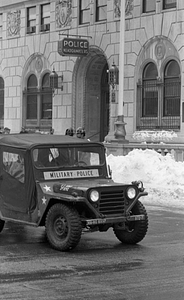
(135, 230)
(63, 227)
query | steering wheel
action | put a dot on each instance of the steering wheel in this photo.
(81, 163)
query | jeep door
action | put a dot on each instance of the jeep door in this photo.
(15, 179)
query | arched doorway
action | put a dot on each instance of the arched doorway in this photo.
(104, 120)
(1, 102)
(91, 96)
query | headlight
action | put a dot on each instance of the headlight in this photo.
(94, 195)
(131, 192)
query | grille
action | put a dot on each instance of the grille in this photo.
(112, 202)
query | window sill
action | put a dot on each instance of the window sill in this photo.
(101, 21)
(148, 13)
(83, 25)
(168, 9)
(44, 31)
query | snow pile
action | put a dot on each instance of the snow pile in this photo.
(162, 176)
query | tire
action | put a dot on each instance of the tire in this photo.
(1, 225)
(136, 230)
(63, 227)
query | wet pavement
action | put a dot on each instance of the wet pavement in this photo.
(99, 268)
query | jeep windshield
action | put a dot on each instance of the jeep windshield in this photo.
(60, 157)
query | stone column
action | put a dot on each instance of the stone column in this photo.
(117, 130)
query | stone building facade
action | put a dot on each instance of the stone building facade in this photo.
(31, 33)
(154, 82)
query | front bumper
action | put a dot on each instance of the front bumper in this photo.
(114, 220)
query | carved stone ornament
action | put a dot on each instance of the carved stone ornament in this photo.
(39, 64)
(128, 7)
(63, 13)
(160, 50)
(117, 8)
(13, 23)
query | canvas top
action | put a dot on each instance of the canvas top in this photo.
(27, 141)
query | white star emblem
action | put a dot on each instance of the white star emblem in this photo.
(47, 188)
(44, 200)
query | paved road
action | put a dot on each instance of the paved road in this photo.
(99, 268)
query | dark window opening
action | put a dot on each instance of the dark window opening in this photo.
(149, 6)
(101, 10)
(45, 17)
(46, 99)
(84, 12)
(169, 4)
(31, 19)
(159, 101)
(150, 91)
(171, 104)
(38, 103)
(32, 97)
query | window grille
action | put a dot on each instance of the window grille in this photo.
(158, 105)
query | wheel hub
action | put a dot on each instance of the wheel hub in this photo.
(60, 226)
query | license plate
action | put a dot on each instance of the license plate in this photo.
(96, 221)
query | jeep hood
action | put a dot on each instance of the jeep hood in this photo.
(56, 186)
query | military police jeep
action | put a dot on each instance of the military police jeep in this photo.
(64, 184)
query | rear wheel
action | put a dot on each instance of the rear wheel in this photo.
(135, 230)
(63, 227)
(1, 225)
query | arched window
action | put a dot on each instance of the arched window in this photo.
(1, 102)
(149, 91)
(32, 97)
(172, 86)
(158, 98)
(38, 100)
(46, 98)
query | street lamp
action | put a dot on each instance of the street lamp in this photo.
(54, 81)
(113, 80)
(113, 76)
(53, 77)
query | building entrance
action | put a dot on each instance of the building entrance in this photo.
(92, 97)
(97, 101)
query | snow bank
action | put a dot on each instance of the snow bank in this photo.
(162, 176)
